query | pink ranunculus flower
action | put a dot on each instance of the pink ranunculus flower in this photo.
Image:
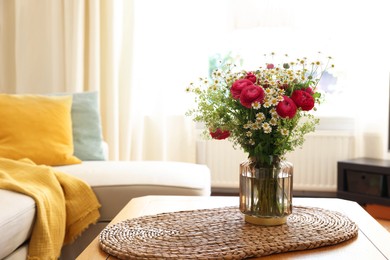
(251, 94)
(303, 100)
(286, 108)
(219, 134)
(251, 77)
(270, 66)
(237, 87)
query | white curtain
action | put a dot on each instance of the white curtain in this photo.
(82, 45)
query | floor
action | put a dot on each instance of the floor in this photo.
(380, 213)
(384, 223)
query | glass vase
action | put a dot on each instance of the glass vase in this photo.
(266, 191)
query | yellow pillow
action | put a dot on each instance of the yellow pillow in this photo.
(37, 127)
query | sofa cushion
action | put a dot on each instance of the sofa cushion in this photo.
(115, 183)
(37, 127)
(18, 254)
(17, 217)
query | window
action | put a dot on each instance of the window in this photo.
(174, 40)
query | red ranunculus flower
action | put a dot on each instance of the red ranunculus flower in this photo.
(220, 134)
(237, 87)
(250, 94)
(303, 100)
(286, 108)
(270, 66)
(309, 90)
(251, 77)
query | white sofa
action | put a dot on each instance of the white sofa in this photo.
(115, 183)
(76, 120)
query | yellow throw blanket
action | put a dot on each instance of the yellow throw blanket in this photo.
(66, 206)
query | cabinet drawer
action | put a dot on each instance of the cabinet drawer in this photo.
(364, 183)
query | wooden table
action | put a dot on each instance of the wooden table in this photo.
(372, 242)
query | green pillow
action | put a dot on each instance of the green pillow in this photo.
(87, 129)
(86, 126)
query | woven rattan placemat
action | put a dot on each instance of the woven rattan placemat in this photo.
(221, 233)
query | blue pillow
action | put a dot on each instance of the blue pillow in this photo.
(87, 129)
(86, 126)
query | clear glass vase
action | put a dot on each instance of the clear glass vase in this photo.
(266, 191)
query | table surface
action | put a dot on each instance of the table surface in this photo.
(372, 242)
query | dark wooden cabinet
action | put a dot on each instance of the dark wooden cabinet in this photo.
(364, 180)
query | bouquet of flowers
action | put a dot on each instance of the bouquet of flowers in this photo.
(265, 111)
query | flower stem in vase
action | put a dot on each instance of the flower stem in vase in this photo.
(266, 192)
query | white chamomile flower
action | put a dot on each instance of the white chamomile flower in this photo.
(247, 125)
(266, 127)
(273, 121)
(256, 105)
(267, 104)
(269, 91)
(249, 134)
(260, 117)
(274, 101)
(255, 126)
(213, 87)
(284, 131)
